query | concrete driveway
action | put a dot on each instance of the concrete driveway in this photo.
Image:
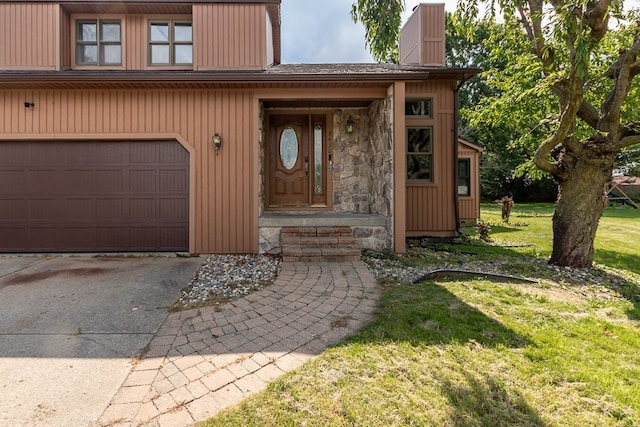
(70, 326)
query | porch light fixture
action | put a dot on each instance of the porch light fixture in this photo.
(29, 104)
(216, 139)
(350, 125)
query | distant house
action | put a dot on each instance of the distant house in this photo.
(469, 180)
(172, 126)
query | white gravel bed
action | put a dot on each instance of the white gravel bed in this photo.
(227, 277)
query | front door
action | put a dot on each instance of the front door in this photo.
(296, 169)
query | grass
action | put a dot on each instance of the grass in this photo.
(472, 352)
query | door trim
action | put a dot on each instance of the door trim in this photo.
(327, 117)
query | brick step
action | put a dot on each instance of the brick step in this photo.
(318, 244)
(328, 242)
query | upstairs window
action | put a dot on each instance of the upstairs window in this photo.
(98, 42)
(170, 42)
(418, 108)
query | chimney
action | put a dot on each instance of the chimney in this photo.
(423, 36)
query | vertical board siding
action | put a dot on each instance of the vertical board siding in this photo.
(431, 207)
(29, 36)
(65, 40)
(135, 42)
(230, 36)
(433, 34)
(422, 39)
(224, 187)
(410, 43)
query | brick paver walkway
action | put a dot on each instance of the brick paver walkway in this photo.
(204, 360)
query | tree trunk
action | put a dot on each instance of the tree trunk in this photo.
(578, 210)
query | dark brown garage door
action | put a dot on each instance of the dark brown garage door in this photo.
(94, 196)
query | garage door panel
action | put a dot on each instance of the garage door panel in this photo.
(173, 181)
(78, 182)
(170, 154)
(109, 210)
(67, 197)
(109, 181)
(174, 209)
(172, 237)
(142, 236)
(143, 181)
(16, 157)
(46, 153)
(13, 181)
(14, 209)
(14, 239)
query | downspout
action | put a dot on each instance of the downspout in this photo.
(456, 107)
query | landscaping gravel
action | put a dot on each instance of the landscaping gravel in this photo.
(227, 277)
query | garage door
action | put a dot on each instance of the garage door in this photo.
(94, 196)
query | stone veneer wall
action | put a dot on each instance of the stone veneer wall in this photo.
(351, 163)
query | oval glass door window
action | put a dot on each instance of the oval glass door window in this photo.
(289, 148)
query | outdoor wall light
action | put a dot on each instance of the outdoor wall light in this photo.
(350, 125)
(29, 104)
(216, 139)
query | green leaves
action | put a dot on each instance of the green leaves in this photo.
(381, 20)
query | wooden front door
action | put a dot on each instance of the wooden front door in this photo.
(296, 169)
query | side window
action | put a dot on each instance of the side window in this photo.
(420, 153)
(420, 139)
(98, 42)
(170, 42)
(464, 177)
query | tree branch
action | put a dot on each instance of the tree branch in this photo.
(589, 114)
(597, 18)
(630, 136)
(622, 71)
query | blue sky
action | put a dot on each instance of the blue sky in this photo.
(322, 31)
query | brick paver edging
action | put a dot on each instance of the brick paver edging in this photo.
(204, 360)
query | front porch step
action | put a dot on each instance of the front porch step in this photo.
(318, 244)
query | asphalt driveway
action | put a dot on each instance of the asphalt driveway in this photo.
(70, 326)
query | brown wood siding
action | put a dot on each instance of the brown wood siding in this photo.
(430, 206)
(230, 36)
(224, 193)
(29, 36)
(65, 40)
(433, 34)
(135, 42)
(422, 38)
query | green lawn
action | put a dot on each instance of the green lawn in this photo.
(466, 351)
(617, 241)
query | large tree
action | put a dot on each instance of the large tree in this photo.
(590, 124)
(567, 40)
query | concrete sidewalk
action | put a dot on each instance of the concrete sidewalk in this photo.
(204, 360)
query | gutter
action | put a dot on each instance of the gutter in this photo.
(456, 107)
(227, 76)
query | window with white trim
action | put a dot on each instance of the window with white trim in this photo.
(98, 42)
(170, 42)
